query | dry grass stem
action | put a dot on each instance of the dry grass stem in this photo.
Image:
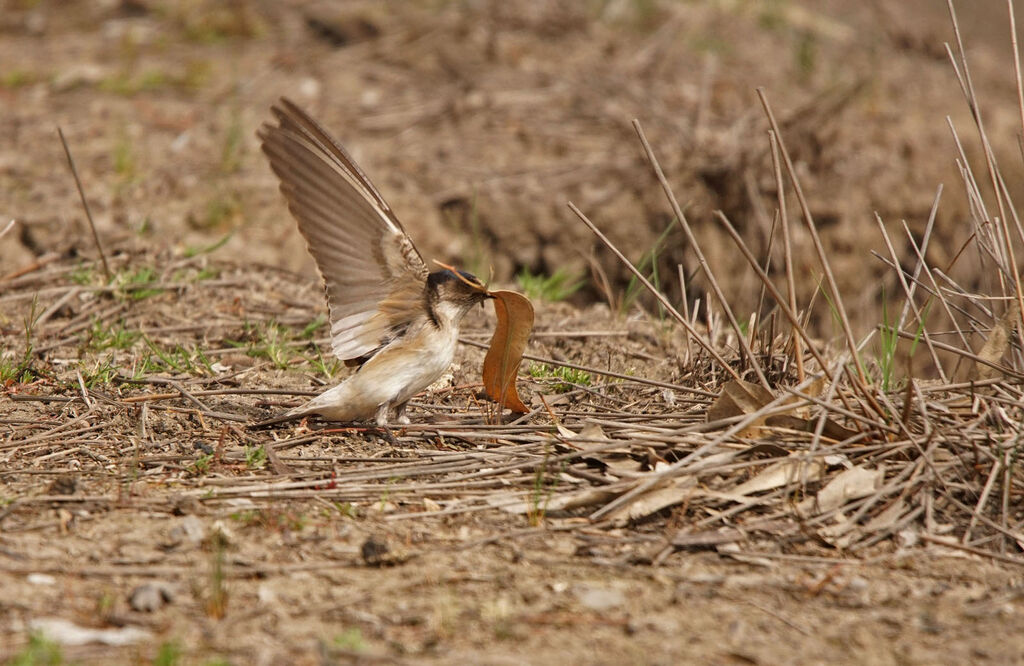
(699, 253)
(85, 204)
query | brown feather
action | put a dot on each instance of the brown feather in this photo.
(373, 275)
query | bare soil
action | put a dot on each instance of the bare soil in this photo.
(125, 460)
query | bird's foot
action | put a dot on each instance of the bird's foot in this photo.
(387, 433)
(400, 417)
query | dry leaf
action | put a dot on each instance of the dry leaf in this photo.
(592, 431)
(847, 485)
(736, 399)
(887, 518)
(831, 430)
(782, 473)
(564, 432)
(815, 390)
(621, 465)
(514, 504)
(847, 532)
(515, 321)
(739, 398)
(678, 491)
(996, 345)
(590, 437)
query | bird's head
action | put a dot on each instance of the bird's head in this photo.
(452, 293)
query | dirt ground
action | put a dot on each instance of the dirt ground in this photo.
(144, 510)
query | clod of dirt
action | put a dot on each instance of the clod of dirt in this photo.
(150, 597)
(189, 533)
(375, 551)
(185, 506)
(63, 485)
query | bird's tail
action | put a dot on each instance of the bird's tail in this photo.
(290, 415)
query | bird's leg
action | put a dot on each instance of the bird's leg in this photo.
(400, 416)
(382, 422)
(382, 414)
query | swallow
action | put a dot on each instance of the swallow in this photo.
(397, 322)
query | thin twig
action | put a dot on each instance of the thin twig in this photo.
(85, 205)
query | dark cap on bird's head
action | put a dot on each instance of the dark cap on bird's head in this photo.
(457, 288)
(446, 275)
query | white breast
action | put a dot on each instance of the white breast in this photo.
(393, 375)
(415, 365)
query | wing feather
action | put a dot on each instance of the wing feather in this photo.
(373, 275)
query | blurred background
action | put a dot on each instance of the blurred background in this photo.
(479, 120)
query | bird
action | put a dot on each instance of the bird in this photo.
(391, 317)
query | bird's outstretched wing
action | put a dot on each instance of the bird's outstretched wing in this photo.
(373, 274)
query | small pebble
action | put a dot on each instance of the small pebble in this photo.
(150, 597)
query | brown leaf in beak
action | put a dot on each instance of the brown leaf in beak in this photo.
(501, 364)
